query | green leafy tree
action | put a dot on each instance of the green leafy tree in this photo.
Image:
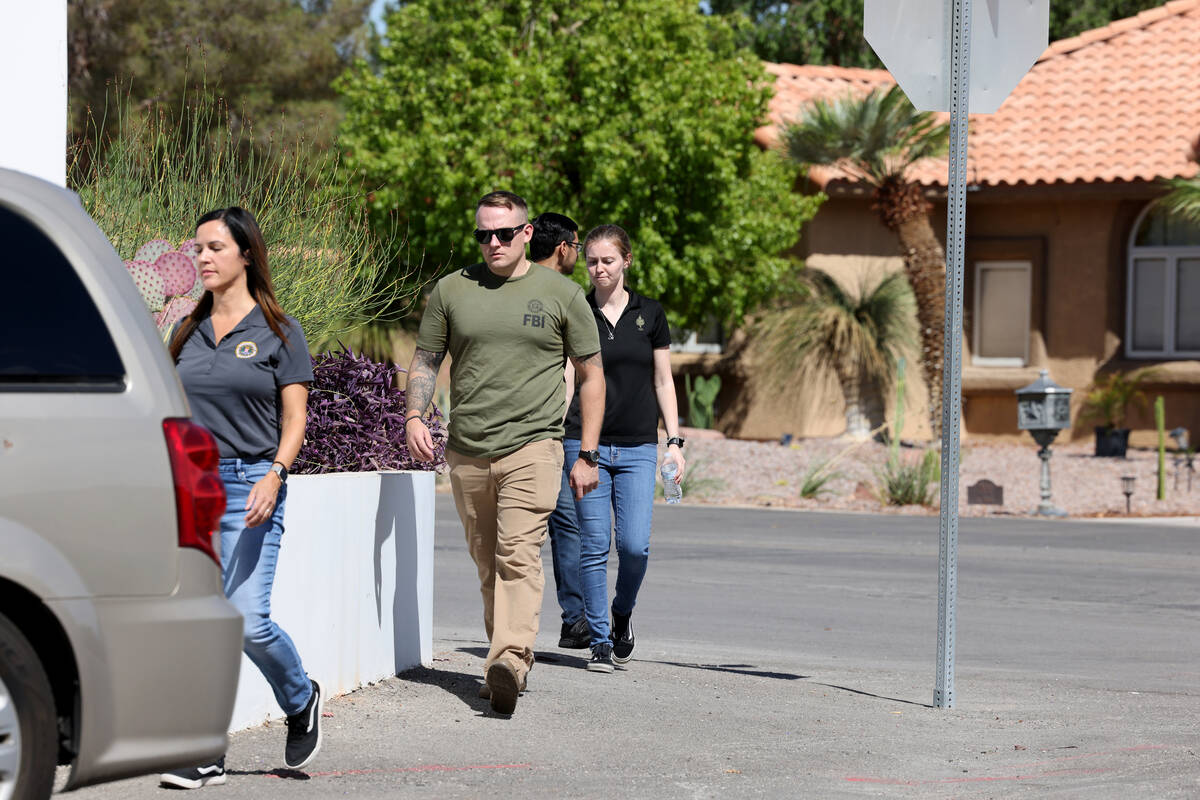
(830, 31)
(803, 31)
(858, 335)
(1072, 19)
(635, 113)
(266, 58)
(876, 138)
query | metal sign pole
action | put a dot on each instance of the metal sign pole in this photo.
(956, 229)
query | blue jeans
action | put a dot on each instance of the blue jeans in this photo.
(627, 487)
(248, 557)
(564, 550)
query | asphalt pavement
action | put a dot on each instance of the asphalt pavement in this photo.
(789, 654)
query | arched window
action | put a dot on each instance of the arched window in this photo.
(1162, 310)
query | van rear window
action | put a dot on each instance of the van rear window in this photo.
(52, 337)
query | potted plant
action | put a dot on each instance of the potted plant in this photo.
(1108, 401)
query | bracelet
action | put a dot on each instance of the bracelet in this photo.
(675, 440)
(408, 418)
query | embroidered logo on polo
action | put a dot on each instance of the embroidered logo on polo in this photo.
(535, 318)
(246, 350)
(641, 323)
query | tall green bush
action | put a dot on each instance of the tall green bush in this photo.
(611, 111)
(162, 169)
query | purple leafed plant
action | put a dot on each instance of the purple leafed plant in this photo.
(356, 419)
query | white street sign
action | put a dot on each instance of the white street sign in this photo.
(913, 39)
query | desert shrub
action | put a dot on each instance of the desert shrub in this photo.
(905, 482)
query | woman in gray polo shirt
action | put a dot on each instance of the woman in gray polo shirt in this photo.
(245, 367)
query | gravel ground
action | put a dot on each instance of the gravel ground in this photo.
(730, 471)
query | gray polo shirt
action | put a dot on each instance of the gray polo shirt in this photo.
(233, 387)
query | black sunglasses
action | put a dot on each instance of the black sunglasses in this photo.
(505, 235)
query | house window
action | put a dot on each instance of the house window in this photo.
(709, 339)
(1001, 313)
(1163, 288)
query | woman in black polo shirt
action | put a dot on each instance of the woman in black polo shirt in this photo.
(245, 367)
(635, 346)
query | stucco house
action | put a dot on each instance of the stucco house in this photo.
(1069, 266)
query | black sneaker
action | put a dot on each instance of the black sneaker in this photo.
(195, 777)
(576, 635)
(601, 658)
(622, 633)
(304, 732)
(502, 687)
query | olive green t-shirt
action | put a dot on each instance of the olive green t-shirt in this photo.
(508, 339)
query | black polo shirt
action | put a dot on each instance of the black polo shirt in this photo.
(233, 387)
(630, 404)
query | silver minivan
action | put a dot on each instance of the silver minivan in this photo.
(119, 654)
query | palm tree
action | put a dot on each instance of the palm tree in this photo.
(857, 335)
(876, 139)
(1184, 198)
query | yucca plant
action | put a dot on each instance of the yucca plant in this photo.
(816, 479)
(906, 482)
(858, 335)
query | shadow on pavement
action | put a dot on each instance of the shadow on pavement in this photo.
(876, 696)
(287, 774)
(735, 669)
(540, 657)
(464, 686)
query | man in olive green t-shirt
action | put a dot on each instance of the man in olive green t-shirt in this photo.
(509, 329)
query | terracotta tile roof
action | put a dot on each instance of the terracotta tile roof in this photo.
(1119, 103)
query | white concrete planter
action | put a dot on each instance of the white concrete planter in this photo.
(354, 583)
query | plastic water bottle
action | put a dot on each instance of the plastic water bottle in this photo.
(672, 491)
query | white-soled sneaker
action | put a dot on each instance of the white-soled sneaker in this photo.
(601, 658)
(195, 777)
(304, 732)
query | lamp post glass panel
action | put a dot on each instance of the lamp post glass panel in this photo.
(1044, 409)
(1127, 490)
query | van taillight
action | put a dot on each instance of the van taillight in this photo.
(199, 493)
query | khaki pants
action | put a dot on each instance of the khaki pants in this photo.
(504, 504)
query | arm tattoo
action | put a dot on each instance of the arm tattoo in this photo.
(422, 378)
(585, 361)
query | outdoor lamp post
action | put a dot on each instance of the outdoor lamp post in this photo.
(1044, 409)
(1127, 489)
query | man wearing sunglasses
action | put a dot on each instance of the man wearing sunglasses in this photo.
(509, 327)
(555, 244)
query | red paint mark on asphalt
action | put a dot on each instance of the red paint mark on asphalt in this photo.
(1049, 773)
(399, 770)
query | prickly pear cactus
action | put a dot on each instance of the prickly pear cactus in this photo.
(178, 272)
(149, 282)
(168, 279)
(177, 308)
(152, 249)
